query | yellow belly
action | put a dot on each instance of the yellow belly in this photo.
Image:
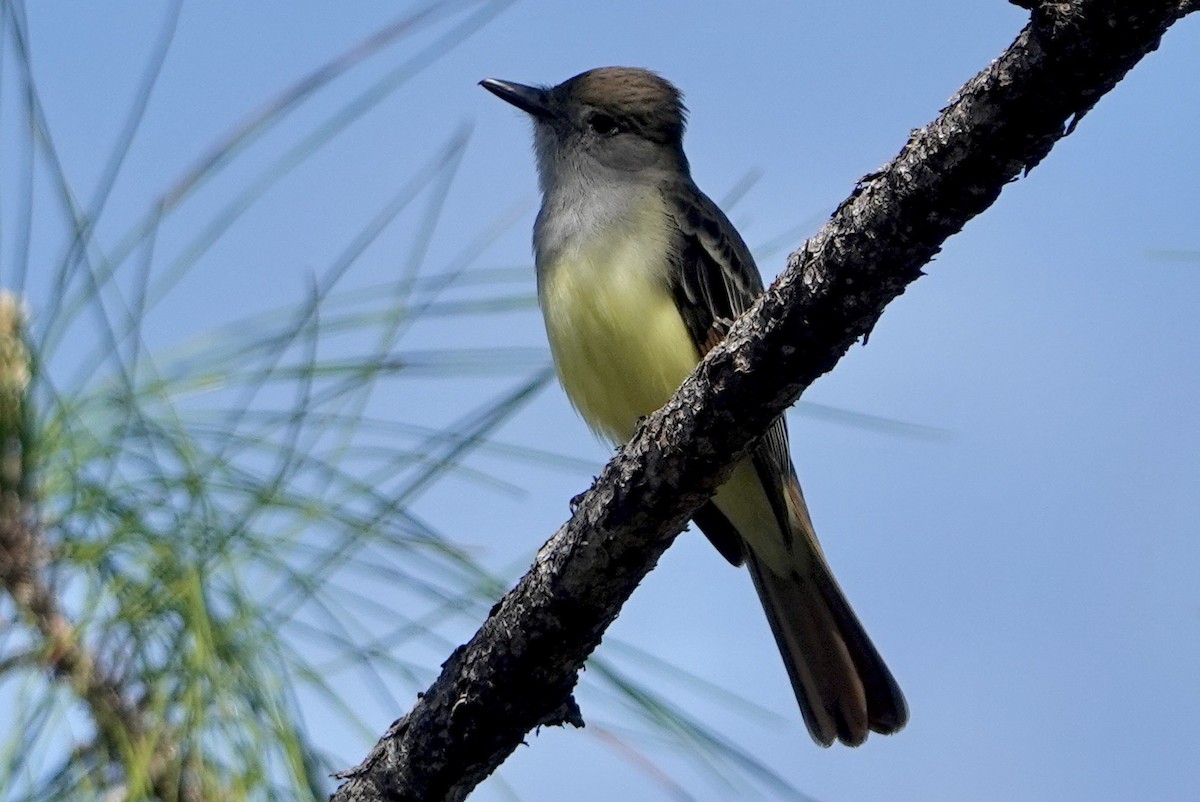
(619, 345)
(621, 350)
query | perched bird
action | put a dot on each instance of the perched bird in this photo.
(639, 274)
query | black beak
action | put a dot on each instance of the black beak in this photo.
(530, 99)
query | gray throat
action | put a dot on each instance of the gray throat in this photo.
(578, 207)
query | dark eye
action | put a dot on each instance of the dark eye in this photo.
(602, 124)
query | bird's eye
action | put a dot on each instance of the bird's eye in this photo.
(602, 124)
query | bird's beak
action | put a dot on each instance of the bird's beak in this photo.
(531, 99)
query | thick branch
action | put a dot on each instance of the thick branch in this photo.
(519, 670)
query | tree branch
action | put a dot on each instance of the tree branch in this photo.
(519, 670)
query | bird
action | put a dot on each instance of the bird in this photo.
(639, 275)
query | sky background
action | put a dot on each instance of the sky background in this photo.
(1019, 534)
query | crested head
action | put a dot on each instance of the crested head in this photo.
(639, 99)
(620, 126)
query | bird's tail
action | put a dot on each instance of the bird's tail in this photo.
(842, 684)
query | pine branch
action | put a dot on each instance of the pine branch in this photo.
(519, 670)
(121, 727)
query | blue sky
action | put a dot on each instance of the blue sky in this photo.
(1024, 554)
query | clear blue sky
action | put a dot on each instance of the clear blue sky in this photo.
(1027, 563)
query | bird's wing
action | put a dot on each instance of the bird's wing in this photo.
(716, 280)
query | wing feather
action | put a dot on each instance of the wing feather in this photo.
(715, 280)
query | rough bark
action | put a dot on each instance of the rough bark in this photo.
(519, 670)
